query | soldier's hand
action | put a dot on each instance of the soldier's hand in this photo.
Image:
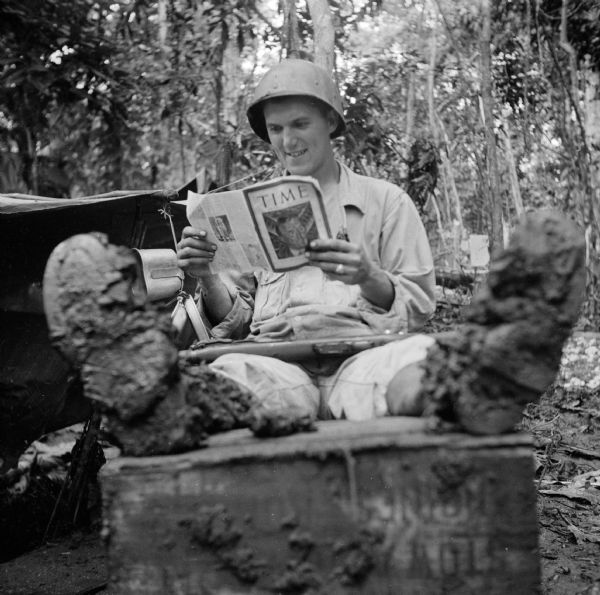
(350, 264)
(341, 260)
(194, 252)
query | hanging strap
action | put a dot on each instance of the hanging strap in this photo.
(186, 309)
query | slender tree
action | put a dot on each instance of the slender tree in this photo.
(324, 35)
(493, 175)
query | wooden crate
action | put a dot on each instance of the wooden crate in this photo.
(373, 507)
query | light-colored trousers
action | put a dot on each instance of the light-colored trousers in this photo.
(356, 391)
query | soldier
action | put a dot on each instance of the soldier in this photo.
(376, 277)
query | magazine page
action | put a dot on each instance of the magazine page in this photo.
(288, 213)
(228, 224)
(264, 226)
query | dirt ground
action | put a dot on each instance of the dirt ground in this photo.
(71, 565)
(565, 425)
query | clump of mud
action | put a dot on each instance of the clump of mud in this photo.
(509, 350)
(266, 423)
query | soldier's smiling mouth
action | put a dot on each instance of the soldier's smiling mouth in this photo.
(296, 153)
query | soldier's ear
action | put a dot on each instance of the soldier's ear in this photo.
(332, 121)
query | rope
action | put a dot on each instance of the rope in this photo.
(166, 213)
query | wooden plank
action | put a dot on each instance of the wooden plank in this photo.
(371, 507)
(385, 432)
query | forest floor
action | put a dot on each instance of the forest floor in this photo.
(565, 425)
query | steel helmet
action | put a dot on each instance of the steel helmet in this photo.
(295, 77)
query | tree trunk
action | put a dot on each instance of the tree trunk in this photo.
(31, 163)
(232, 83)
(218, 77)
(592, 127)
(430, 85)
(450, 192)
(433, 124)
(527, 47)
(324, 33)
(494, 195)
(162, 24)
(447, 166)
(290, 38)
(410, 104)
(512, 169)
(184, 178)
(573, 75)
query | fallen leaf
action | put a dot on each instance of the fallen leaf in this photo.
(581, 536)
(591, 479)
(574, 493)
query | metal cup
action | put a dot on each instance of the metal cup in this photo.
(161, 276)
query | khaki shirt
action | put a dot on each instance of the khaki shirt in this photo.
(305, 303)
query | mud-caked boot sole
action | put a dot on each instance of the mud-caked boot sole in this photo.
(509, 351)
(126, 353)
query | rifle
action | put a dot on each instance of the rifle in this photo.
(291, 351)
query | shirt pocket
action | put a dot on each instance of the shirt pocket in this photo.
(270, 295)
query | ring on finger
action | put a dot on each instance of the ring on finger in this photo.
(339, 269)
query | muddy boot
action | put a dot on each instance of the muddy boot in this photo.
(508, 353)
(126, 354)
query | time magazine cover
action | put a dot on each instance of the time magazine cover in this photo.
(267, 225)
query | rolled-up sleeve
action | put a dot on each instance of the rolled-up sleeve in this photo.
(236, 325)
(404, 254)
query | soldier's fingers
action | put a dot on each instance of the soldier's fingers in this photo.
(193, 232)
(332, 245)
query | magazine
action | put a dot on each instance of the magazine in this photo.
(264, 226)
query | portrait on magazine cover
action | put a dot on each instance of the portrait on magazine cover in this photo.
(222, 228)
(291, 229)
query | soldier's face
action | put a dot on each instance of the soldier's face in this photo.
(293, 232)
(299, 132)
